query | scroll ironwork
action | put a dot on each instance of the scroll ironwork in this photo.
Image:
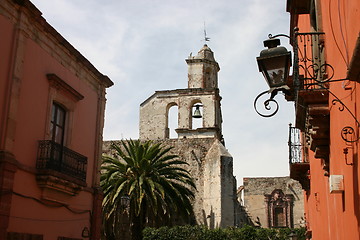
(310, 73)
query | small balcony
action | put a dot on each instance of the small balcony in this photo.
(310, 83)
(311, 74)
(299, 165)
(60, 168)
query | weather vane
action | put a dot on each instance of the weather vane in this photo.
(206, 38)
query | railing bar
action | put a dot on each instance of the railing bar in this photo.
(310, 33)
(56, 157)
(295, 146)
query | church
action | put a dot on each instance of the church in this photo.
(201, 145)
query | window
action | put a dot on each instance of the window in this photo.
(57, 124)
(63, 100)
(279, 209)
(58, 166)
(279, 217)
(172, 122)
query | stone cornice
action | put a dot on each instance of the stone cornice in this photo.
(37, 22)
(58, 83)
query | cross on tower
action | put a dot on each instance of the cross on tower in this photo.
(206, 38)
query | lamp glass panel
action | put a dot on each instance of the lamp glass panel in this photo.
(275, 70)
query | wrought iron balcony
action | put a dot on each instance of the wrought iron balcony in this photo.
(310, 83)
(310, 69)
(295, 146)
(299, 165)
(55, 157)
(311, 74)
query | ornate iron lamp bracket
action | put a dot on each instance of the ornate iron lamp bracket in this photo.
(268, 103)
(275, 74)
(348, 133)
(310, 73)
(270, 36)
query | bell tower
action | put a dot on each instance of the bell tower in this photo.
(199, 139)
(202, 95)
(203, 69)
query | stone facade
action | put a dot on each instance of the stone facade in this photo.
(202, 91)
(210, 164)
(274, 202)
(154, 113)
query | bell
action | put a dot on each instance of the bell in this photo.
(197, 113)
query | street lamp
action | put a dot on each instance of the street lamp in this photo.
(274, 63)
(125, 202)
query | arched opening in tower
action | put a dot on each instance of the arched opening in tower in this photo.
(197, 116)
(173, 121)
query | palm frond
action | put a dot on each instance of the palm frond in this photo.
(154, 179)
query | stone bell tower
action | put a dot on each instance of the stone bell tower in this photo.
(210, 164)
(203, 69)
(202, 91)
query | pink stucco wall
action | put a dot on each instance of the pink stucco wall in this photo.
(26, 97)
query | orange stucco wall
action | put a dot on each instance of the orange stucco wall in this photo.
(337, 215)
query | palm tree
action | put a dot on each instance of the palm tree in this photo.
(155, 182)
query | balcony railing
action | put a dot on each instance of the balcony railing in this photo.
(310, 69)
(54, 156)
(299, 165)
(296, 148)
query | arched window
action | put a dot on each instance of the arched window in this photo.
(172, 121)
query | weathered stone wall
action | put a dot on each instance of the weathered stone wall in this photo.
(255, 190)
(154, 112)
(210, 165)
(203, 69)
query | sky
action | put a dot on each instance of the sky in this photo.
(142, 46)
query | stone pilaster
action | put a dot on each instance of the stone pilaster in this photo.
(8, 167)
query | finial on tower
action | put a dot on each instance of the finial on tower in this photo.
(206, 38)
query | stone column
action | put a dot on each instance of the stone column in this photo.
(289, 198)
(268, 209)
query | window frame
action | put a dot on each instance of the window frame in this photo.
(67, 97)
(55, 125)
(278, 200)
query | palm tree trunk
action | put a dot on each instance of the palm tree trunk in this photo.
(136, 228)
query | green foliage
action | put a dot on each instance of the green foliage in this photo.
(155, 181)
(203, 233)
